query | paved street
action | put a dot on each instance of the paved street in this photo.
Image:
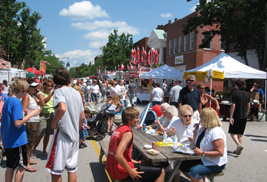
(249, 167)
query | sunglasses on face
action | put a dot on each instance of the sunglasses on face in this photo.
(185, 116)
(49, 85)
(190, 80)
(202, 88)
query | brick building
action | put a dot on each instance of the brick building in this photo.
(178, 50)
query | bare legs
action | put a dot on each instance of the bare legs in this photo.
(18, 176)
(109, 124)
(238, 140)
(29, 149)
(72, 177)
(161, 177)
(45, 143)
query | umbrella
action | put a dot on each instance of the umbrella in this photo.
(95, 77)
(33, 70)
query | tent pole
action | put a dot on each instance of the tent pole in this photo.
(265, 97)
(210, 89)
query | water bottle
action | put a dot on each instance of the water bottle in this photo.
(175, 142)
(165, 139)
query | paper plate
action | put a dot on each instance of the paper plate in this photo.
(153, 152)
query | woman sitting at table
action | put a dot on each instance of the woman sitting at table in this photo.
(211, 144)
(183, 127)
(171, 114)
(205, 98)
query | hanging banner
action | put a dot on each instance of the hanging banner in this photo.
(42, 67)
(200, 75)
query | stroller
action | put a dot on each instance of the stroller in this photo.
(148, 116)
(98, 124)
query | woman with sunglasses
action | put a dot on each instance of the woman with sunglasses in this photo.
(184, 126)
(31, 101)
(46, 117)
(210, 142)
(205, 98)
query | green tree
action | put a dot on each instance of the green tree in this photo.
(21, 41)
(116, 51)
(242, 23)
(9, 38)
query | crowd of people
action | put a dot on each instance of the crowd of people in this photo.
(32, 109)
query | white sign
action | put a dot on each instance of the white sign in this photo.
(179, 59)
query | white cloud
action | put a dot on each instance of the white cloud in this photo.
(100, 37)
(98, 24)
(166, 15)
(193, 9)
(97, 35)
(84, 10)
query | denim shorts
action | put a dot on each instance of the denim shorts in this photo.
(94, 97)
(200, 170)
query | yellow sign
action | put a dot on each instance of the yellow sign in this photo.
(200, 75)
(218, 75)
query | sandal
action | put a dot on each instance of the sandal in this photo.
(33, 156)
(239, 150)
(33, 163)
(31, 169)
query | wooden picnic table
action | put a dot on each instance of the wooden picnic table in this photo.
(141, 138)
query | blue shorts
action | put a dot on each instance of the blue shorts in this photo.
(94, 97)
(83, 134)
(200, 170)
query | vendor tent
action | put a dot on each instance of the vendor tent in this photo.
(33, 70)
(231, 68)
(163, 72)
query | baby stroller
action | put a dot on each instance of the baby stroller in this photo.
(98, 124)
(148, 116)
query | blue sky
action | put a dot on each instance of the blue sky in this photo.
(77, 29)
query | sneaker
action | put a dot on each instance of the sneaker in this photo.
(84, 144)
(239, 150)
(81, 146)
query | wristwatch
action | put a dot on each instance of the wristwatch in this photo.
(203, 154)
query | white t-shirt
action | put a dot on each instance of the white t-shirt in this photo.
(158, 93)
(175, 92)
(183, 132)
(164, 121)
(120, 90)
(95, 89)
(112, 91)
(212, 134)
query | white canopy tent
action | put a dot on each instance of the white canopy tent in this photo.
(163, 72)
(231, 68)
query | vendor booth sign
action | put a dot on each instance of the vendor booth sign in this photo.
(5, 64)
(200, 75)
(216, 74)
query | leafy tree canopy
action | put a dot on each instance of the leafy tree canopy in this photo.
(242, 23)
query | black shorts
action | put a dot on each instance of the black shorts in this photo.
(238, 127)
(16, 157)
(150, 173)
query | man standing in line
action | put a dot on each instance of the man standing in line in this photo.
(191, 96)
(174, 94)
(132, 91)
(238, 114)
(68, 120)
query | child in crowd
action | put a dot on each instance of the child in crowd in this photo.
(83, 130)
(13, 131)
(115, 106)
(120, 164)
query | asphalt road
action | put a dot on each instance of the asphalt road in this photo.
(250, 166)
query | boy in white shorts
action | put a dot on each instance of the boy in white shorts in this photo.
(69, 116)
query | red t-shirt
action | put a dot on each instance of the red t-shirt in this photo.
(115, 170)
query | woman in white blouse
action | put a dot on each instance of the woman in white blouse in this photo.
(183, 127)
(94, 92)
(210, 142)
